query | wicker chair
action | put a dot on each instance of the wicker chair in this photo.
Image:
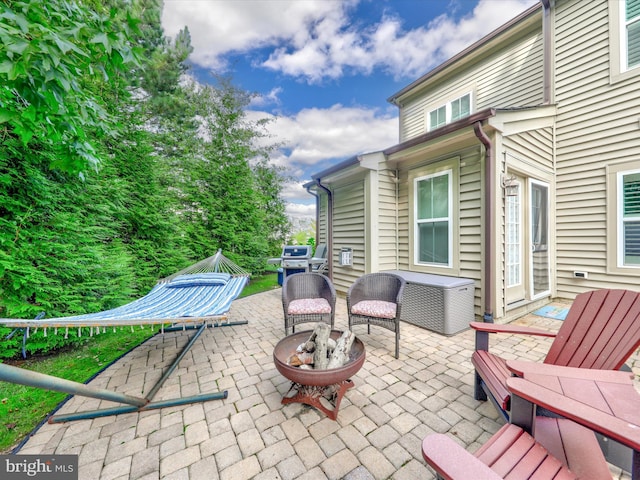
(376, 299)
(307, 297)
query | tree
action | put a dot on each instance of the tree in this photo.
(115, 172)
(49, 48)
(231, 194)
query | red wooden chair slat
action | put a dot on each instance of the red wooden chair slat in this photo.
(494, 373)
(522, 458)
(551, 467)
(498, 444)
(581, 448)
(561, 450)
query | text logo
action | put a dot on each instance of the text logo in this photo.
(39, 467)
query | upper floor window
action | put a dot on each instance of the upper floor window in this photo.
(629, 219)
(624, 39)
(632, 32)
(451, 111)
(433, 219)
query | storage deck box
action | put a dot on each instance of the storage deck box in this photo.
(437, 302)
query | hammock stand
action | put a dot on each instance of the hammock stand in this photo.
(202, 302)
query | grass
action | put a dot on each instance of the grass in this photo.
(23, 408)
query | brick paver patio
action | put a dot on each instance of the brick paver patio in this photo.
(251, 435)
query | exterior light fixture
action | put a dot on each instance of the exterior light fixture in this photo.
(510, 186)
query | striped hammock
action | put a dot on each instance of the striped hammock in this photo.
(198, 294)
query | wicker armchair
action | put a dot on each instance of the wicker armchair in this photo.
(376, 299)
(307, 297)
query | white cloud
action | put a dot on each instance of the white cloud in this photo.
(316, 39)
(314, 135)
(220, 27)
(270, 98)
(299, 210)
(333, 46)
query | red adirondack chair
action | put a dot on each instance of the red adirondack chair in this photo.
(602, 330)
(570, 453)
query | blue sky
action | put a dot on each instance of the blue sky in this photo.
(322, 70)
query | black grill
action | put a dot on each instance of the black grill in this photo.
(294, 259)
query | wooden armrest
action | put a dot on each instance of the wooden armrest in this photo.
(612, 426)
(523, 368)
(508, 328)
(453, 462)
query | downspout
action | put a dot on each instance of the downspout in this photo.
(329, 225)
(546, 52)
(317, 213)
(489, 223)
(396, 180)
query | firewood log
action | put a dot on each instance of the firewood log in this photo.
(340, 354)
(300, 358)
(321, 332)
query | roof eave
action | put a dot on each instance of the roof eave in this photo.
(445, 130)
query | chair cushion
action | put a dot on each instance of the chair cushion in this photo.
(305, 306)
(374, 308)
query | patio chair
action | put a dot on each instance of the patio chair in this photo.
(319, 261)
(561, 450)
(307, 297)
(601, 330)
(376, 299)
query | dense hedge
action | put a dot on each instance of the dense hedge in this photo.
(113, 173)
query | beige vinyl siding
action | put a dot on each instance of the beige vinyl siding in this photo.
(511, 78)
(322, 227)
(469, 214)
(471, 223)
(597, 125)
(403, 220)
(348, 231)
(531, 153)
(386, 234)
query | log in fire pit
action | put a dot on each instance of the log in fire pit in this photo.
(322, 389)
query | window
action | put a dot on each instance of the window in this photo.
(632, 33)
(624, 39)
(450, 112)
(629, 219)
(461, 107)
(513, 232)
(433, 222)
(437, 117)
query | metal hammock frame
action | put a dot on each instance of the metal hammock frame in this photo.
(218, 263)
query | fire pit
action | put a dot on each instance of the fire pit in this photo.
(322, 389)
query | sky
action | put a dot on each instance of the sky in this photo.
(322, 70)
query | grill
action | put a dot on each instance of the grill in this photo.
(294, 259)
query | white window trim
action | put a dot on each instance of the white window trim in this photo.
(449, 218)
(620, 219)
(447, 106)
(618, 70)
(614, 218)
(520, 233)
(544, 293)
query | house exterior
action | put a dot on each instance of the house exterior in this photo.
(518, 166)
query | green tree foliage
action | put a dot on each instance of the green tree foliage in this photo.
(230, 193)
(49, 50)
(170, 171)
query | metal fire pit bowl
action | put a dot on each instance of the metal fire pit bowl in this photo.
(322, 389)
